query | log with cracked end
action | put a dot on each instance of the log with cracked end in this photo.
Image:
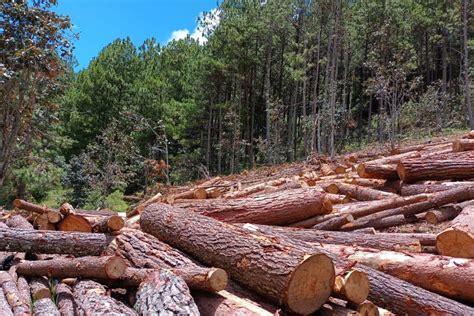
(458, 239)
(163, 292)
(284, 274)
(75, 223)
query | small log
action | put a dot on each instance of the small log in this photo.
(338, 198)
(412, 170)
(52, 215)
(442, 214)
(352, 286)
(19, 222)
(75, 223)
(164, 292)
(67, 209)
(358, 192)
(45, 307)
(255, 188)
(463, 145)
(106, 267)
(365, 182)
(4, 306)
(413, 189)
(301, 281)
(279, 208)
(65, 300)
(24, 290)
(140, 207)
(196, 193)
(14, 299)
(458, 239)
(144, 251)
(78, 244)
(108, 224)
(91, 298)
(39, 287)
(326, 170)
(377, 171)
(386, 222)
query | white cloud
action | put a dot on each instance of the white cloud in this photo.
(178, 34)
(210, 22)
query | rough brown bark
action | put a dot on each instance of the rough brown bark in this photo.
(278, 208)
(65, 300)
(45, 307)
(394, 294)
(255, 188)
(75, 223)
(301, 281)
(108, 224)
(377, 171)
(358, 192)
(24, 290)
(19, 222)
(386, 222)
(91, 297)
(140, 207)
(14, 299)
(77, 244)
(458, 240)
(436, 200)
(4, 306)
(442, 214)
(52, 215)
(379, 241)
(144, 251)
(196, 193)
(107, 267)
(413, 189)
(463, 145)
(163, 292)
(412, 170)
(39, 287)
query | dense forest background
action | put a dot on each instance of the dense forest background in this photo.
(275, 81)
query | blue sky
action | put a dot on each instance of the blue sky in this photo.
(99, 22)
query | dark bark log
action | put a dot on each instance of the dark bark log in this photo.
(144, 251)
(75, 223)
(108, 224)
(163, 292)
(458, 240)
(277, 271)
(39, 287)
(65, 300)
(442, 214)
(107, 267)
(389, 292)
(77, 244)
(379, 241)
(412, 170)
(413, 189)
(14, 299)
(4, 306)
(358, 192)
(278, 208)
(91, 298)
(45, 307)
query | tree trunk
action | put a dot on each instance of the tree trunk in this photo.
(358, 192)
(378, 171)
(108, 267)
(463, 145)
(39, 287)
(465, 65)
(4, 306)
(458, 239)
(279, 208)
(413, 189)
(91, 297)
(144, 251)
(45, 307)
(65, 300)
(391, 221)
(108, 224)
(163, 292)
(277, 271)
(24, 290)
(19, 222)
(10, 290)
(412, 170)
(77, 244)
(53, 215)
(75, 223)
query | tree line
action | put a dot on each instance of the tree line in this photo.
(275, 81)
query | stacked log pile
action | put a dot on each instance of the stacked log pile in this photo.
(372, 234)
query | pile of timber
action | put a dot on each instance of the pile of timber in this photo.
(321, 237)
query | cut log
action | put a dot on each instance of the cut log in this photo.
(75, 223)
(458, 240)
(436, 200)
(39, 287)
(45, 307)
(396, 242)
(387, 291)
(254, 188)
(365, 182)
(14, 299)
(326, 170)
(463, 145)
(451, 277)
(24, 290)
(140, 207)
(107, 267)
(442, 214)
(163, 292)
(299, 280)
(65, 300)
(352, 286)
(4, 306)
(196, 193)
(278, 208)
(358, 192)
(108, 224)
(391, 221)
(52, 215)
(67, 209)
(377, 171)
(412, 170)
(77, 244)
(144, 251)
(413, 189)
(91, 297)
(19, 222)
(368, 308)
(338, 198)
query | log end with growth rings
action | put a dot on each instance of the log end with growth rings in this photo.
(115, 222)
(115, 267)
(310, 284)
(327, 204)
(354, 286)
(455, 243)
(401, 171)
(218, 279)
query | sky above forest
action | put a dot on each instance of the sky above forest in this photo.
(99, 22)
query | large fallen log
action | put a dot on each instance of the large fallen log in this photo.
(458, 239)
(45, 307)
(378, 241)
(91, 298)
(278, 208)
(463, 145)
(436, 200)
(107, 267)
(4, 306)
(446, 213)
(411, 170)
(451, 277)
(163, 292)
(284, 274)
(14, 299)
(394, 294)
(77, 244)
(65, 300)
(377, 171)
(358, 192)
(413, 189)
(144, 251)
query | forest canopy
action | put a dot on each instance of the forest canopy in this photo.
(273, 82)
